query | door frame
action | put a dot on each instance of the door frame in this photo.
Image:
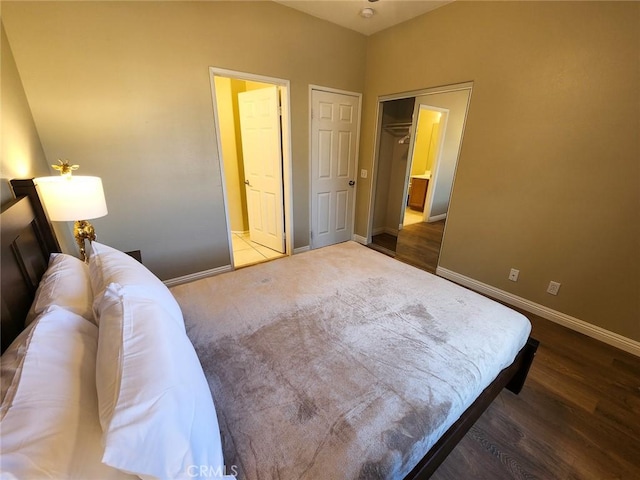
(320, 88)
(287, 184)
(378, 136)
(434, 172)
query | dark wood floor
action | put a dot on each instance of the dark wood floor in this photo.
(577, 417)
(385, 243)
(419, 245)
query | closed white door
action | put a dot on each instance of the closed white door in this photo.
(262, 157)
(334, 132)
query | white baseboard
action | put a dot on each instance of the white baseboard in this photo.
(437, 218)
(301, 249)
(172, 282)
(593, 331)
(359, 239)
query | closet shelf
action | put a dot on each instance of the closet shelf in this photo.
(397, 129)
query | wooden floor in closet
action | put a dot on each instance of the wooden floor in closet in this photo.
(419, 244)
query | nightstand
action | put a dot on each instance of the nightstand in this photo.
(135, 254)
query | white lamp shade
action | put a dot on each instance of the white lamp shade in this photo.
(70, 198)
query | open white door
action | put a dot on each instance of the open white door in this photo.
(262, 157)
(334, 136)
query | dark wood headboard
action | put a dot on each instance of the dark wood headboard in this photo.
(27, 242)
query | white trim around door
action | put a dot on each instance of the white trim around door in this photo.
(285, 99)
(349, 176)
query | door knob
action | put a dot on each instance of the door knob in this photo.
(352, 183)
(246, 182)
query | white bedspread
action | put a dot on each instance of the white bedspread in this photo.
(341, 362)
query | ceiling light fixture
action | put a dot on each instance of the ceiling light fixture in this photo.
(367, 12)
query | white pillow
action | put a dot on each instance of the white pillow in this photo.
(65, 283)
(156, 410)
(108, 265)
(51, 427)
(10, 367)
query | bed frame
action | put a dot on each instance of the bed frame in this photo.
(512, 378)
(28, 240)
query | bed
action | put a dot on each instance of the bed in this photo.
(336, 363)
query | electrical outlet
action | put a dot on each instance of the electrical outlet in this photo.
(363, 173)
(513, 275)
(553, 288)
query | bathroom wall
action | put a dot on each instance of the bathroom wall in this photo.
(231, 159)
(435, 145)
(425, 142)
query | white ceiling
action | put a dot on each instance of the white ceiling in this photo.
(346, 13)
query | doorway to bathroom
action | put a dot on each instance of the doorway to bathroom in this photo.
(418, 143)
(430, 128)
(251, 115)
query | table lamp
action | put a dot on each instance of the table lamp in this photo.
(70, 198)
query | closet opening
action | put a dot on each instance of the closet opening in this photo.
(418, 142)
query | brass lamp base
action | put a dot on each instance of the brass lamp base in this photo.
(82, 230)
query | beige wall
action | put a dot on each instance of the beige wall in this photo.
(122, 88)
(548, 179)
(22, 154)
